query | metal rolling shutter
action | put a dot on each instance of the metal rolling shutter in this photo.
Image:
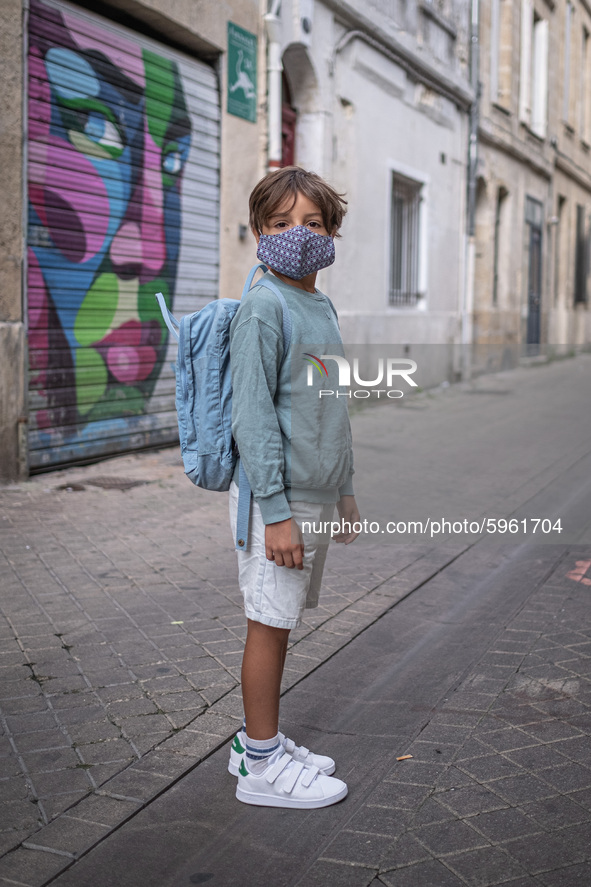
(123, 184)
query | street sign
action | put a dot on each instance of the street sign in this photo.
(242, 73)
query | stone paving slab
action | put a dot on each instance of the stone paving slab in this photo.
(121, 636)
(486, 798)
(505, 799)
(121, 626)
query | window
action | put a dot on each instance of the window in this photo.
(533, 93)
(525, 75)
(405, 228)
(585, 72)
(501, 194)
(501, 51)
(581, 257)
(558, 247)
(567, 62)
(534, 218)
(540, 76)
(534, 212)
(495, 14)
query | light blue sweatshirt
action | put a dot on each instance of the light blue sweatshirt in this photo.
(294, 444)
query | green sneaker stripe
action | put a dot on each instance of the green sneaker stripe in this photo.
(242, 769)
(236, 745)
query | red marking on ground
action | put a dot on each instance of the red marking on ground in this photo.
(578, 574)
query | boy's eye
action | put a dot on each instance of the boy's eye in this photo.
(283, 225)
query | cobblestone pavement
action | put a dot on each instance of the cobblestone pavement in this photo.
(121, 639)
(498, 789)
(483, 675)
(121, 633)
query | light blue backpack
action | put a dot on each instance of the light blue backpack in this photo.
(204, 394)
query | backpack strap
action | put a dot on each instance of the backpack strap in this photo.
(243, 513)
(251, 274)
(244, 490)
(274, 289)
(286, 315)
(169, 319)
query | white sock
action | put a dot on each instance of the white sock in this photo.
(259, 751)
(243, 730)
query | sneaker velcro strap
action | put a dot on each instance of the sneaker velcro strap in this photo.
(309, 776)
(277, 768)
(303, 752)
(293, 777)
(289, 746)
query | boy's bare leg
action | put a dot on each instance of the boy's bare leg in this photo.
(262, 668)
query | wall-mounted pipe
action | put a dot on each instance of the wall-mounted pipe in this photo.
(274, 98)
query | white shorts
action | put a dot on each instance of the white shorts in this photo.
(275, 595)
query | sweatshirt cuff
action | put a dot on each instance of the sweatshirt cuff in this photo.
(274, 508)
(347, 488)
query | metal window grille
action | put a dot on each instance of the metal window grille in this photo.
(404, 245)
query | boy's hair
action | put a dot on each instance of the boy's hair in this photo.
(276, 186)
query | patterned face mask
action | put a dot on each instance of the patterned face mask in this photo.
(296, 252)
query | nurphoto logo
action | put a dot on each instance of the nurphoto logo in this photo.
(388, 368)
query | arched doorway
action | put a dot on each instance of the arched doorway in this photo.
(302, 117)
(288, 124)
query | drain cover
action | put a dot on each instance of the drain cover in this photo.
(115, 483)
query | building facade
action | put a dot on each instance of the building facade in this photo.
(381, 95)
(533, 215)
(116, 117)
(133, 132)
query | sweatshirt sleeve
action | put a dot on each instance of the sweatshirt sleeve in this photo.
(347, 488)
(256, 349)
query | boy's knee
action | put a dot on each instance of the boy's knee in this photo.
(269, 632)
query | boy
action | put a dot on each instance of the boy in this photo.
(294, 216)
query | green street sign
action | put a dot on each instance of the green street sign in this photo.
(242, 73)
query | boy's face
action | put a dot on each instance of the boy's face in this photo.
(289, 214)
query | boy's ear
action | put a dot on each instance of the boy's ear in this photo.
(257, 236)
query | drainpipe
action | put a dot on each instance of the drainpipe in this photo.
(468, 306)
(274, 71)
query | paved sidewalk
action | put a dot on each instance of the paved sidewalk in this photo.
(498, 789)
(121, 625)
(484, 676)
(121, 639)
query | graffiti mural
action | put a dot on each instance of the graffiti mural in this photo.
(109, 137)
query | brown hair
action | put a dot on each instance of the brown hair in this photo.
(276, 186)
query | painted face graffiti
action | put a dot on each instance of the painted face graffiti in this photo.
(109, 135)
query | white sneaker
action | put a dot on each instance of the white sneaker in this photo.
(299, 753)
(288, 783)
